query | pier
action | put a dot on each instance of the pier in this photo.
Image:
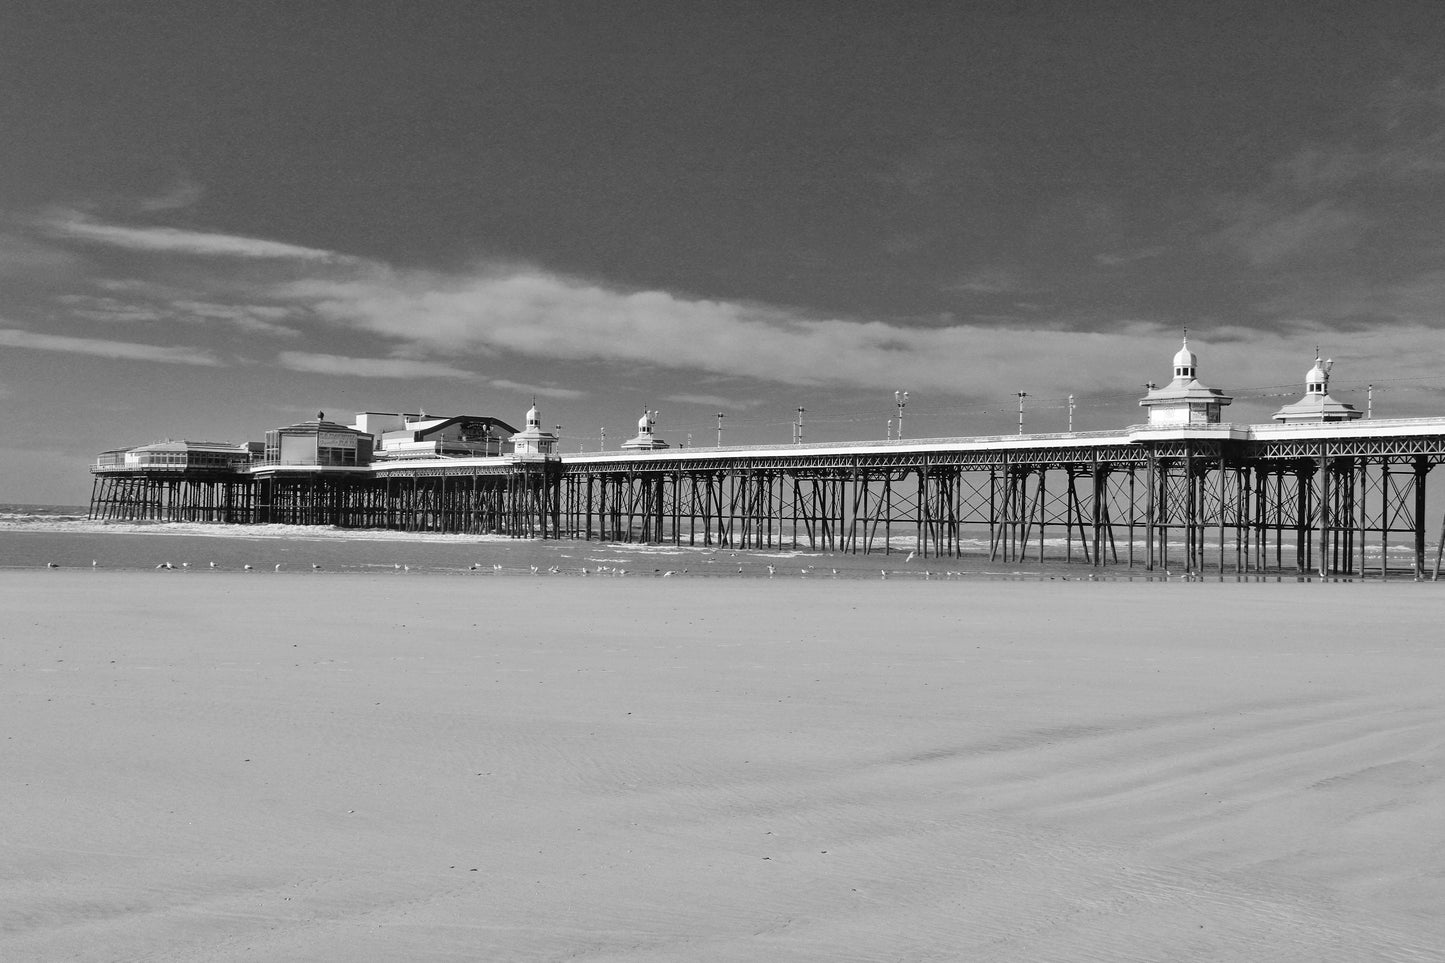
(1331, 498)
(1323, 490)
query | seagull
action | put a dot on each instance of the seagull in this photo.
(497, 567)
(213, 565)
(535, 570)
(835, 573)
(185, 565)
(473, 567)
(278, 566)
(667, 574)
(247, 567)
(315, 567)
(95, 563)
(770, 571)
(51, 565)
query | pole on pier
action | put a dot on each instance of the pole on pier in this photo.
(1324, 510)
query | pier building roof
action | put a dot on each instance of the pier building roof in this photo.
(532, 440)
(1185, 400)
(1317, 405)
(645, 440)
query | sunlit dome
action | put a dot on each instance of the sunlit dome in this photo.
(1185, 358)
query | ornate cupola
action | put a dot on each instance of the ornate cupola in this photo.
(1317, 405)
(645, 440)
(532, 440)
(1186, 365)
(1184, 401)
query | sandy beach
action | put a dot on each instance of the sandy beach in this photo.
(360, 767)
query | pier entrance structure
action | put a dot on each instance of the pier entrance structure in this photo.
(1187, 492)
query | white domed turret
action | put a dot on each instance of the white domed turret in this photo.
(1317, 381)
(532, 440)
(1184, 401)
(1185, 363)
(1317, 405)
(645, 441)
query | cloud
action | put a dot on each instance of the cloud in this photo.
(109, 310)
(540, 315)
(544, 391)
(1121, 258)
(440, 324)
(991, 280)
(121, 350)
(252, 318)
(1269, 234)
(172, 240)
(335, 364)
(713, 401)
(184, 193)
(153, 304)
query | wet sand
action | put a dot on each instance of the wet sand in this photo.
(208, 766)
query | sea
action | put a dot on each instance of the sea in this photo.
(63, 537)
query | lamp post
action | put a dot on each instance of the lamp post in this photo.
(798, 427)
(1071, 414)
(604, 439)
(1369, 401)
(720, 417)
(1022, 396)
(900, 398)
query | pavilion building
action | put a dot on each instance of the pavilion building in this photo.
(318, 442)
(532, 440)
(1317, 405)
(1185, 401)
(645, 440)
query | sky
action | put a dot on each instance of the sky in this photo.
(218, 218)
